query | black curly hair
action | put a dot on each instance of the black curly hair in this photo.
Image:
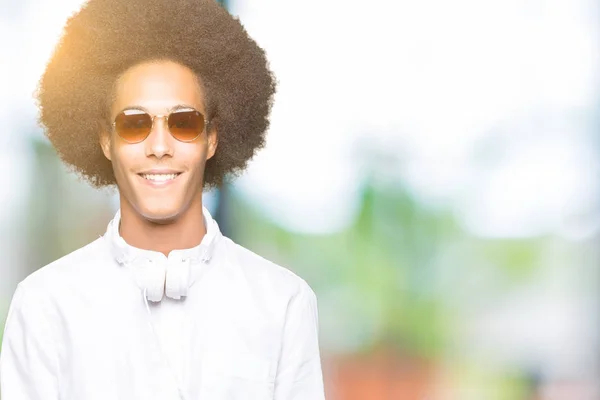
(107, 37)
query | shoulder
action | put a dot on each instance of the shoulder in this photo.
(38, 297)
(64, 270)
(263, 273)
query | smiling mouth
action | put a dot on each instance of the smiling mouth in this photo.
(160, 177)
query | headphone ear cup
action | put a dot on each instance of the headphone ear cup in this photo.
(177, 279)
(151, 279)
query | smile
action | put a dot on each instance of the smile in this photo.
(159, 177)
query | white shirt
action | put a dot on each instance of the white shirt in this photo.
(81, 328)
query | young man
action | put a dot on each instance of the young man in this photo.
(162, 98)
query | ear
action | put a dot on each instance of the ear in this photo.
(213, 141)
(105, 143)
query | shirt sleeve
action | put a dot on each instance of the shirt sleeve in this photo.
(28, 359)
(299, 373)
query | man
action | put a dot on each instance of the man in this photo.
(161, 98)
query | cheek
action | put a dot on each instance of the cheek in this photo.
(194, 157)
(123, 158)
(199, 163)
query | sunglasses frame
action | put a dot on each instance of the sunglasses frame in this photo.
(166, 116)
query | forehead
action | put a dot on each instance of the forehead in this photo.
(158, 87)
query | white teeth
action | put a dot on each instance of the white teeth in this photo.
(159, 177)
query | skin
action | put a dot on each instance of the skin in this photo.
(166, 218)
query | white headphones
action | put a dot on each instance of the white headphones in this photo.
(157, 275)
(158, 278)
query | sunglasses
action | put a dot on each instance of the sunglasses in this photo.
(134, 125)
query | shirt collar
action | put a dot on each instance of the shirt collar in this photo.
(124, 253)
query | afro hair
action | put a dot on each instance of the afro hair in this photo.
(107, 37)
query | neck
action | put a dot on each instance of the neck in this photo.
(183, 232)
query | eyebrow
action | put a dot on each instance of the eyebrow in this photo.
(170, 110)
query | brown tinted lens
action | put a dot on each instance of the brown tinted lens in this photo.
(133, 128)
(186, 125)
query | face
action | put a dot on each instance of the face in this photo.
(160, 177)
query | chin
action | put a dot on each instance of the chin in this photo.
(160, 215)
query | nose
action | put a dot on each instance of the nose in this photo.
(160, 142)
